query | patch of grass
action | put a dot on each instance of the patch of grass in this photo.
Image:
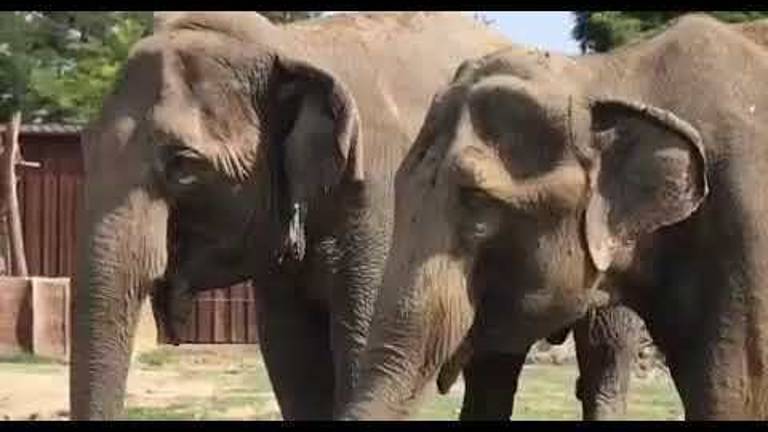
(547, 392)
(440, 407)
(255, 381)
(159, 357)
(654, 398)
(28, 358)
(175, 411)
(199, 408)
(237, 401)
(243, 391)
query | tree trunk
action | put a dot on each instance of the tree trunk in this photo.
(10, 157)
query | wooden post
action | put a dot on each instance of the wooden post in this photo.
(10, 157)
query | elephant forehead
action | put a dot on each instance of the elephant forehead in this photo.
(221, 134)
(178, 122)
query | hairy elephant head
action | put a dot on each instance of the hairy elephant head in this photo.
(202, 168)
(520, 191)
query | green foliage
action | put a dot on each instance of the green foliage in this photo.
(162, 356)
(22, 49)
(72, 89)
(56, 66)
(28, 358)
(602, 31)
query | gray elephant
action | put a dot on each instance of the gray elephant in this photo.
(233, 149)
(538, 180)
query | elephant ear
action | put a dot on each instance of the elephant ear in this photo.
(650, 172)
(319, 140)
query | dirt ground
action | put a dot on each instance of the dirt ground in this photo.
(217, 382)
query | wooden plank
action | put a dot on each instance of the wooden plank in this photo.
(33, 222)
(237, 314)
(50, 212)
(66, 203)
(220, 302)
(62, 204)
(67, 228)
(190, 333)
(30, 206)
(251, 314)
(75, 223)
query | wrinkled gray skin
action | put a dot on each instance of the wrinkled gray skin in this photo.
(235, 149)
(640, 173)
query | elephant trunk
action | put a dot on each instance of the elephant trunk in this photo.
(420, 321)
(123, 251)
(364, 241)
(607, 340)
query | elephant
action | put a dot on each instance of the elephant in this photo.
(539, 180)
(232, 149)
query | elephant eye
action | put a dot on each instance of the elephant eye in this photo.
(184, 167)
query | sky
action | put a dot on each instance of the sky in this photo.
(549, 30)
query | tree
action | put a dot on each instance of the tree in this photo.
(71, 88)
(601, 31)
(290, 16)
(23, 48)
(10, 214)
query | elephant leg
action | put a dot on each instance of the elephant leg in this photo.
(490, 381)
(606, 341)
(295, 345)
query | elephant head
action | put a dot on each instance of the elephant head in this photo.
(520, 193)
(202, 171)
